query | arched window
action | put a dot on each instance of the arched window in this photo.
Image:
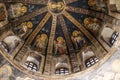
(114, 37)
(91, 61)
(31, 66)
(62, 71)
(5, 46)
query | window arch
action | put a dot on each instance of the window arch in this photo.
(62, 71)
(91, 61)
(31, 65)
(10, 43)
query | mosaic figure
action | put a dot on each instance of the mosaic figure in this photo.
(78, 39)
(17, 10)
(41, 43)
(60, 46)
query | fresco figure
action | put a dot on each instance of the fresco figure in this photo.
(10, 43)
(17, 10)
(99, 5)
(2, 14)
(41, 43)
(78, 39)
(60, 47)
(5, 72)
(24, 29)
(93, 25)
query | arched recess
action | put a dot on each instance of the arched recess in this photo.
(33, 61)
(61, 63)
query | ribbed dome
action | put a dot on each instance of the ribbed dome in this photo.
(57, 37)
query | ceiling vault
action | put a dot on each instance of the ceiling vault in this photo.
(52, 38)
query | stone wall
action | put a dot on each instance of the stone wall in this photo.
(105, 72)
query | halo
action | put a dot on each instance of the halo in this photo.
(24, 9)
(87, 21)
(29, 24)
(91, 2)
(44, 36)
(60, 39)
(75, 33)
(9, 70)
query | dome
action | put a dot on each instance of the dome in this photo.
(55, 38)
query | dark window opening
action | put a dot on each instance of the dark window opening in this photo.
(31, 66)
(62, 71)
(91, 61)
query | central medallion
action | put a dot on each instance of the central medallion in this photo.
(56, 6)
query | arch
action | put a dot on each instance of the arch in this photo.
(33, 61)
(9, 43)
(111, 37)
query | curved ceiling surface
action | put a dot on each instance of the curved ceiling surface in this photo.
(56, 37)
